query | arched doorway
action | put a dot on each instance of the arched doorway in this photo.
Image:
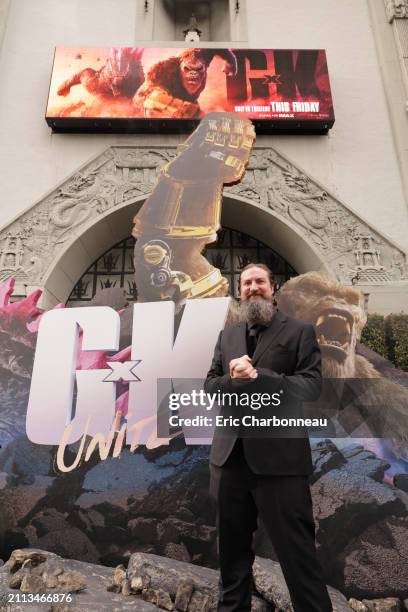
(272, 234)
(232, 252)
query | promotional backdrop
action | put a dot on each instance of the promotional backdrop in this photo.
(82, 471)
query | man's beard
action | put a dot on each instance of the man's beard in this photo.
(259, 312)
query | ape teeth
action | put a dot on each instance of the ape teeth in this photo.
(329, 342)
(331, 315)
(337, 316)
(323, 317)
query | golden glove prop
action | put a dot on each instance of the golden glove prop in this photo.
(182, 215)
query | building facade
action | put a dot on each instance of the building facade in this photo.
(336, 203)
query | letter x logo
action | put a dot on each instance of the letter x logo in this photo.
(122, 371)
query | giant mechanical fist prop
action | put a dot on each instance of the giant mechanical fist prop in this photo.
(182, 215)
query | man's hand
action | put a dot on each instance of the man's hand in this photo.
(242, 368)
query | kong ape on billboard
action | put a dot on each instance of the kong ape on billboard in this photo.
(158, 89)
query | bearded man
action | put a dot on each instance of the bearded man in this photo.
(265, 476)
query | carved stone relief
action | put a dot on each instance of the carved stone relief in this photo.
(396, 9)
(354, 251)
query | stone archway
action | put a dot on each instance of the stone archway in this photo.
(52, 244)
(238, 214)
(232, 251)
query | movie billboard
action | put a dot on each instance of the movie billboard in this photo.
(139, 89)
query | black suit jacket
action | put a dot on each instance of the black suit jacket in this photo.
(287, 358)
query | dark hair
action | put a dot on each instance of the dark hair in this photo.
(263, 267)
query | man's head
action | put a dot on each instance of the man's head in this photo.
(256, 293)
(256, 282)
